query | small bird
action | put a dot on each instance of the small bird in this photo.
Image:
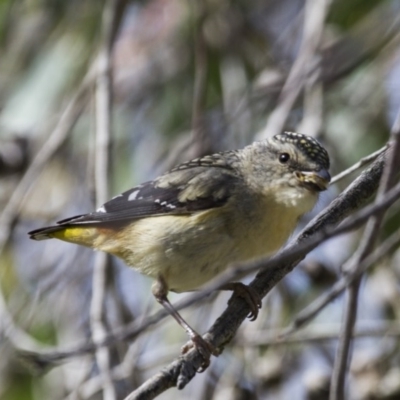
(186, 226)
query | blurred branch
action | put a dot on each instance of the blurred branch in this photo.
(338, 59)
(318, 334)
(122, 371)
(337, 390)
(199, 134)
(306, 315)
(93, 385)
(313, 103)
(368, 36)
(9, 215)
(55, 140)
(364, 161)
(11, 210)
(112, 16)
(314, 17)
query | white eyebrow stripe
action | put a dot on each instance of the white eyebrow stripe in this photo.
(133, 195)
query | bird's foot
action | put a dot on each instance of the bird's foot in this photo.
(248, 294)
(205, 348)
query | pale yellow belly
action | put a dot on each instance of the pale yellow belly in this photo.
(188, 251)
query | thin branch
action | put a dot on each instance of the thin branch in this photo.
(120, 372)
(342, 56)
(199, 134)
(311, 311)
(55, 140)
(110, 24)
(95, 384)
(369, 37)
(363, 161)
(12, 208)
(318, 334)
(98, 324)
(314, 17)
(342, 357)
(312, 104)
(337, 390)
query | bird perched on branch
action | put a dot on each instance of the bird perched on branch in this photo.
(188, 225)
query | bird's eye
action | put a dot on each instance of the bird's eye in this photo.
(284, 158)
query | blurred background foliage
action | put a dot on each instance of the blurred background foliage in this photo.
(189, 78)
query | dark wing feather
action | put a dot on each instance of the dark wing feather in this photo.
(189, 188)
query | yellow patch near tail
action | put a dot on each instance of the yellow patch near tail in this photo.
(76, 234)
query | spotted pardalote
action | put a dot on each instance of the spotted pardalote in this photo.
(186, 226)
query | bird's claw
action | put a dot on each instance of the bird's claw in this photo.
(205, 348)
(251, 297)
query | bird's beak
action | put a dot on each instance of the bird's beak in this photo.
(315, 180)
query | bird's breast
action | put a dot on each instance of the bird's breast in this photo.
(189, 250)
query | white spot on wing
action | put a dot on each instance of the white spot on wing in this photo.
(101, 209)
(133, 195)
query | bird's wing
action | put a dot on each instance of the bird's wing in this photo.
(200, 184)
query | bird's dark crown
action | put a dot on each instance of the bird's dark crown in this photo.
(307, 145)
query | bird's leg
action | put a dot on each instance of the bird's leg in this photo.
(160, 291)
(248, 294)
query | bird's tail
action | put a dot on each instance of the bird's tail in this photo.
(79, 234)
(47, 232)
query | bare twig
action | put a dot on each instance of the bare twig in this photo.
(319, 334)
(57, 137)
(364, 161)
(306, 315)
(369, 36)
(98, 324)
(370, 236)
(118, 373)
(314, 17)
(313, 104)
(103, 97)
(122, 371)
(12, 208)
(199, 134)
(340, 368)
(342, 56)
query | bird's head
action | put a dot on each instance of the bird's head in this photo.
(290, 165)
(301, 160)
